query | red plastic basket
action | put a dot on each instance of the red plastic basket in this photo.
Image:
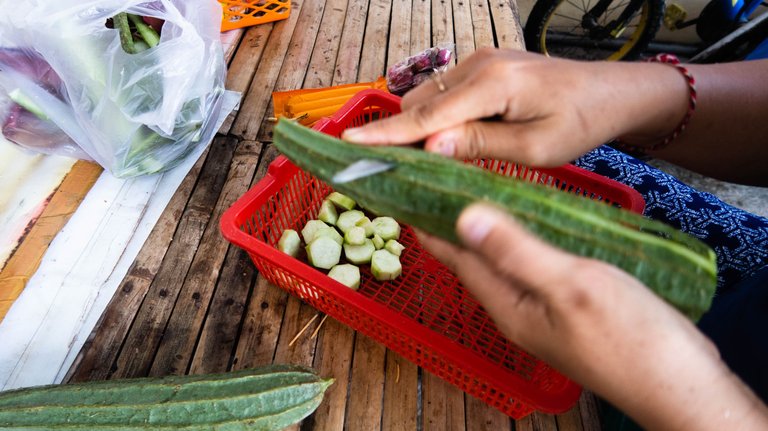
(425, 314)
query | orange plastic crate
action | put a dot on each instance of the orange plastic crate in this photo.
(425, 314)
(244, 13)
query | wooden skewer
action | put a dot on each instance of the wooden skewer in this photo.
(303, 329)
(314, 334)
(397, 372)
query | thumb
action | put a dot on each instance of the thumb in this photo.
(514, 252)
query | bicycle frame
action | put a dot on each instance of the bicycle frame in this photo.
(737, 11)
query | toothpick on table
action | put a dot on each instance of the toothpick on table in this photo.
(303, 329)
(314, 334)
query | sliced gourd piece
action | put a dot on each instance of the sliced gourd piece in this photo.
(359, 254)
(331, 233)
(310, 228)
(289, 242)
(342, 201)
(324, 252)
(385, 265)
(346, 274)
(347, 220)
(355, 236)
(328, 212)
(378, 242)
(394, 247)
(366, 224)
(386, 227)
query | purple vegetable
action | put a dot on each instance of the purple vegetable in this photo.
(21, 126)
(399, 80)
(420, 78)
(416, 69)
(443, 57)
(27, 130)
(31, 65)
(422, 62)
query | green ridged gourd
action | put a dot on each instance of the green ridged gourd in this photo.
(429, 191)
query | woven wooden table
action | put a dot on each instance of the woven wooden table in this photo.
(192, 303)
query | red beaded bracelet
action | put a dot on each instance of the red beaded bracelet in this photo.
(674, 61)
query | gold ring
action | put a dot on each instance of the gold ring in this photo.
(437, 76)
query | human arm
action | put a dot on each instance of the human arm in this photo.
(599, 326)
(549, 111)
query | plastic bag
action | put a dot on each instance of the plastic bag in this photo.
(68, 86)
(414, 70)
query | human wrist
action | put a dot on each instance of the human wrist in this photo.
(664, 98)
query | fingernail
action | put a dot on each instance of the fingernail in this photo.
(447, 147)
(475, 223)
(353, 134)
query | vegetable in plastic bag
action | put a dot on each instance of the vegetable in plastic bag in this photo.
(68, 85)
(409, 73)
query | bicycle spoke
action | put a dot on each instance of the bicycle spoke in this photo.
(613, 8)
(565, 30)
(574, 5)
(567, 17)
(619, 6)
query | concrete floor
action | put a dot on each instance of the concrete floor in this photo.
(752, 199)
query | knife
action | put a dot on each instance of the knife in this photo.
(361, 169)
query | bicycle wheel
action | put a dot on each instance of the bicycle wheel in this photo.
(558, 28)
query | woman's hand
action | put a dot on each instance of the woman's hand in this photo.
(598, 325)
(533, 109)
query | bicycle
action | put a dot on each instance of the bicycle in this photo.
(623, 29)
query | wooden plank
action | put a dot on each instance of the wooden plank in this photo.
(320, 72)
(256, 100)
(261, 327)
(366, 389)
(333, 358)
(243, 66)
(295, 64)
(138, 351)
(61, 205)
(334, 349)
(375, 41)
(180, 336)
(443, 404)
(96, 358)
(351, 43)
(570, 420)
(230, 41)
(400, 394)
(399, 46)
(305, 44)
(590, 411)
(266, 307)
(464, 33)
(364, 409)
(536, 422)
(481, 416)
(421, 26)
(216, 348)
(506, 21)
(481, 24)
(442, 22)
(295, 343)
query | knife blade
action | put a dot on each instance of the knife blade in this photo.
(361, 169)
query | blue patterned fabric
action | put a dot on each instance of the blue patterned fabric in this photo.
(739, 238)
(737, 322)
